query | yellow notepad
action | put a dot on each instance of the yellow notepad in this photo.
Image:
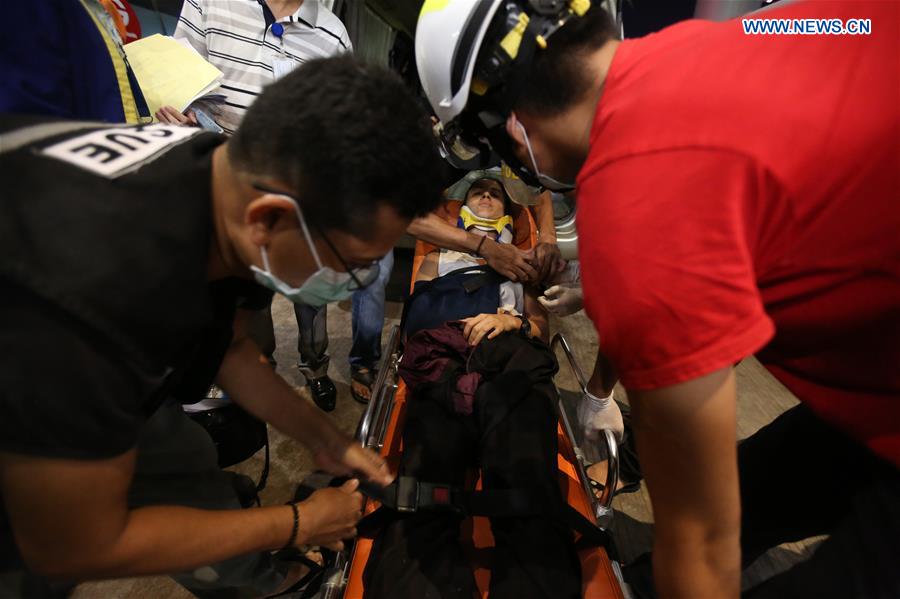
(170, 73)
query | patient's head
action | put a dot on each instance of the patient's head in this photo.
(486, 198)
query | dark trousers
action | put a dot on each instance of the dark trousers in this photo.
(177, 464)
(801, 478)
(312, 338)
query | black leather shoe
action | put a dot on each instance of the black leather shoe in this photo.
(323, 392)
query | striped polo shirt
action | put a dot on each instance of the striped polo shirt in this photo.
(239, 38)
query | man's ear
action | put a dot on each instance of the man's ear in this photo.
(513, 129)
(267, 214)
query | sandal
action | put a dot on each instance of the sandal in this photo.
(362, 376)
(597, 487)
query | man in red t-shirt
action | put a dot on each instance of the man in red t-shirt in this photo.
(737, 194)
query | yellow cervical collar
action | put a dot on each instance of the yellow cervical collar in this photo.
(468, 219)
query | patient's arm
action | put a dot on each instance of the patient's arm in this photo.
(488, 326)
(536, 315)
(429, 268)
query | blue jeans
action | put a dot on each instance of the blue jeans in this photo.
(312, 340)
(368, 318)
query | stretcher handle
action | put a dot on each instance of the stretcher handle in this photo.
(386, 392)
(602, 507)
(612, 474)
(375, 406)
(560, 340)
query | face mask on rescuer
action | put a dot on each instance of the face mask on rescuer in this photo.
(325, 286)
(546, 180)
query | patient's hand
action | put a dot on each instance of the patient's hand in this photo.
(488, 324)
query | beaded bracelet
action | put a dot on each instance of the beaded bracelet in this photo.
(480, 243)
(296, 527)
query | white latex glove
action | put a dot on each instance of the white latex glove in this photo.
(596, 414)
(563, 300)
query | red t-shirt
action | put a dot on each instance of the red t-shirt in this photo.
(742, 195)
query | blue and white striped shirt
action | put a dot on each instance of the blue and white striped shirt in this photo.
(237, 37)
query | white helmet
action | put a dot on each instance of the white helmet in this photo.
(473, 57)
(448, 37)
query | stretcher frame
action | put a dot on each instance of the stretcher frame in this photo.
(379, 430)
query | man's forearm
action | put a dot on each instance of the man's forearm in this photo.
(603, 380)
(687, 442)
(191, 538)
(694, 567)
(71, 520)
(435, 230)
(543, 212)
(260, 391)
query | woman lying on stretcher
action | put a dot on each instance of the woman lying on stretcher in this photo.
(476, 401)
(453, 285)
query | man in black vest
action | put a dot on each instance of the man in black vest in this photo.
(126, 257)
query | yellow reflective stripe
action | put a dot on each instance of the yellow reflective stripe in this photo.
(513, 39)
(508, 173)
(433, 6)
(579, 7)
(129, 106)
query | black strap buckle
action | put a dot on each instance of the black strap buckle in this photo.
(407, 498)
(407, 494)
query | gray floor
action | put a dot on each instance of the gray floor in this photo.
(761, 398)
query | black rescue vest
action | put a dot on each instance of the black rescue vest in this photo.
(112, 225)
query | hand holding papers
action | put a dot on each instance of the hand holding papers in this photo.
(170, 73)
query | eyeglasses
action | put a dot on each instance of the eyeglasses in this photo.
(360, 276)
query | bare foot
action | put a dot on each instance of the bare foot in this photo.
(297, 572)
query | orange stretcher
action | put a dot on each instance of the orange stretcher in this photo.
(380, 429)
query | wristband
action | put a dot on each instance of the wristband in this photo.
(525, 329)
(296, 527)
(480, 243)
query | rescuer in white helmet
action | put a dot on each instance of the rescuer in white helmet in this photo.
(737, 195)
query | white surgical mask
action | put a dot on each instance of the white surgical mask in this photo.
(545, 180)
(325, 286)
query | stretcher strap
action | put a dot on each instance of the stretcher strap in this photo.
(408, 495)
(590, 534)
